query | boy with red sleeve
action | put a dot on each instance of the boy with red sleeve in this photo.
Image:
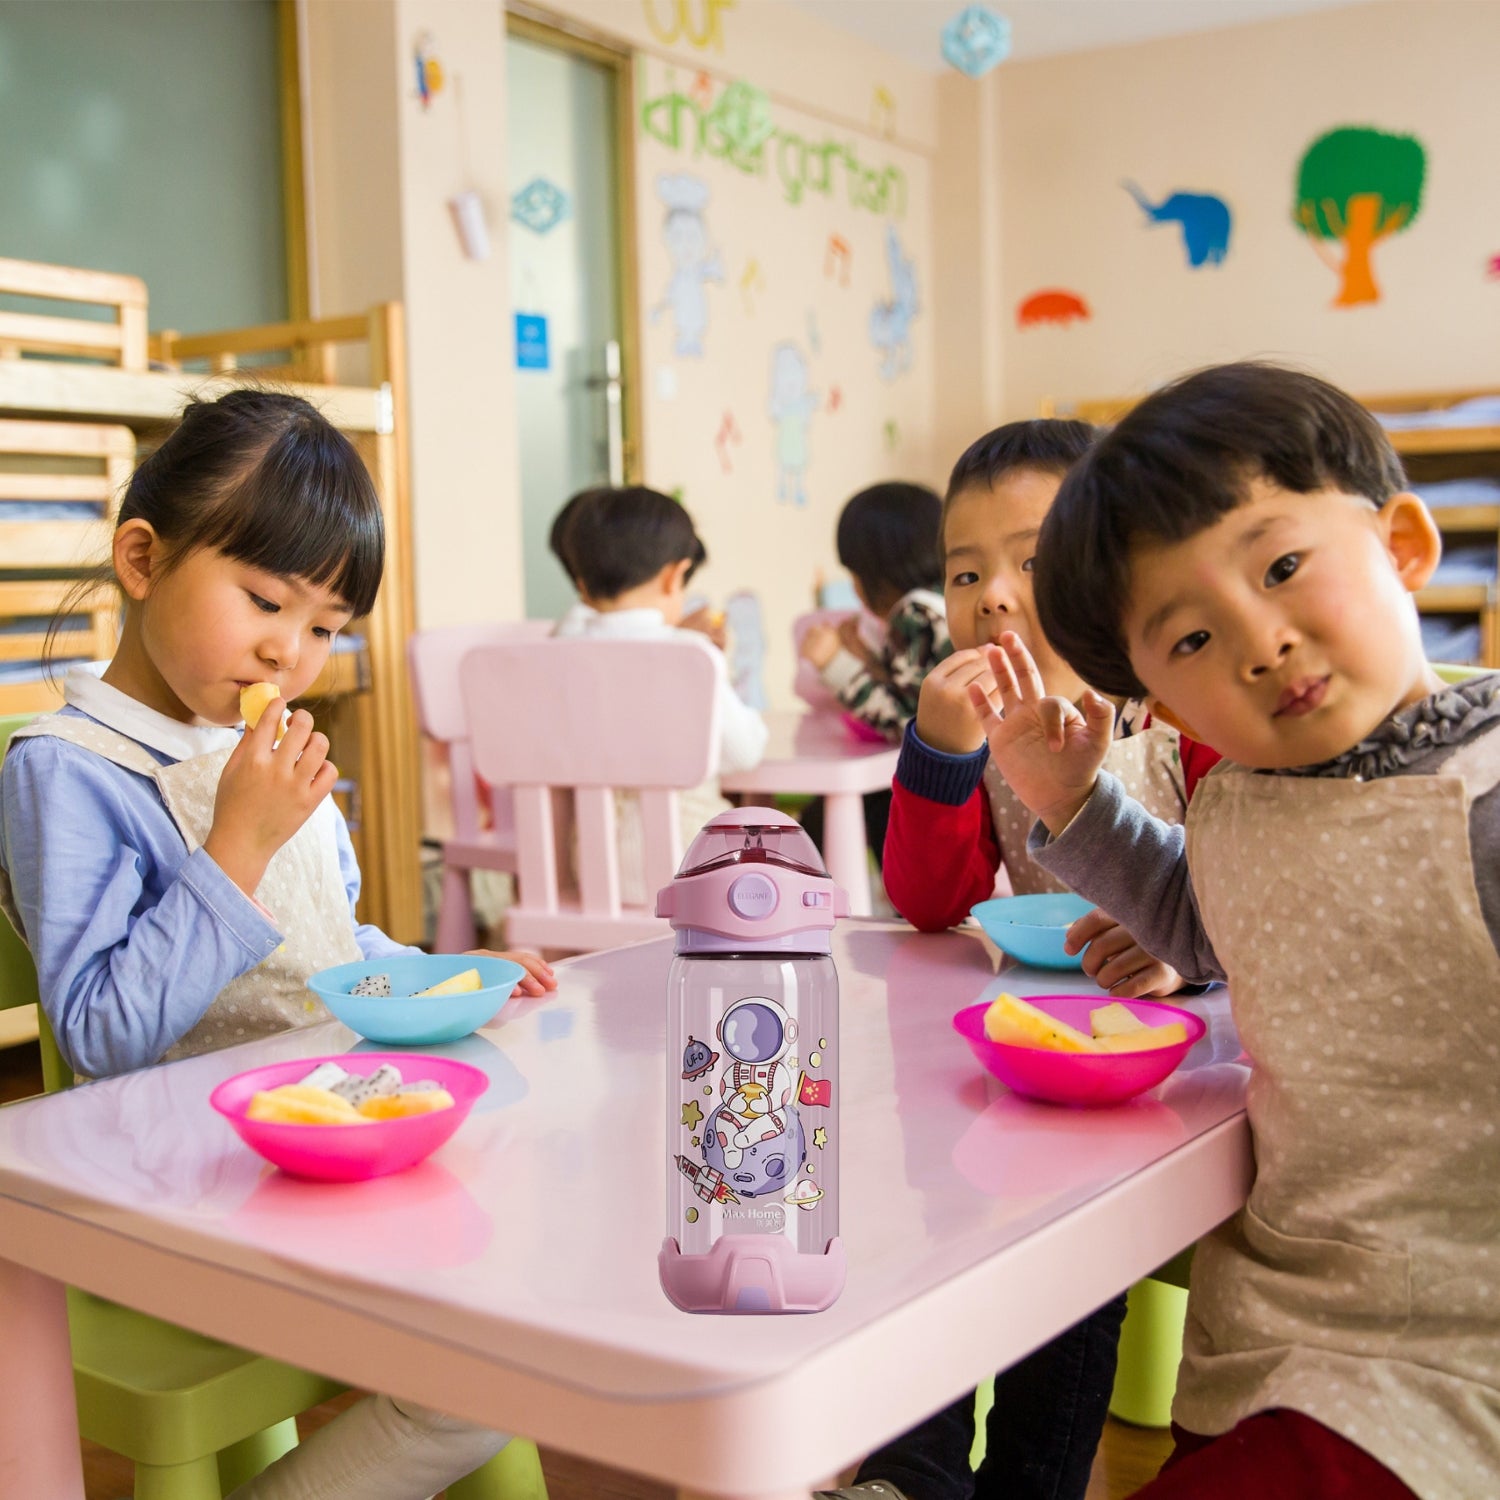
(953, 820)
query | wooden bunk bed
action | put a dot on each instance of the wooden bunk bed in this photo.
(77, 398)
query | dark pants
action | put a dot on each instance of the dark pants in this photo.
(1041, 1434)
(877, 815)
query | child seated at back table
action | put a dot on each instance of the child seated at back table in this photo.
(178, 878)
(1243, 548)
(632, 552)
(887, 539)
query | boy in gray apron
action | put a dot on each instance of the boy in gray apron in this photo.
(1242, 550)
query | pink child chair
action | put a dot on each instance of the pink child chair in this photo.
(591, 717)
(434, 656)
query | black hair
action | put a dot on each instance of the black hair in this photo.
(888, 539)
(267, 479)
(617, 539)
(557, 535)
(1175, 465)
(1049, 445)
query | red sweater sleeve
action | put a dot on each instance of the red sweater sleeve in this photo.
(1197, 761)
(939, 859)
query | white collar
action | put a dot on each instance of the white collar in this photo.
(130, 717)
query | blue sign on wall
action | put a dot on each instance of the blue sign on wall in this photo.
(531, 342)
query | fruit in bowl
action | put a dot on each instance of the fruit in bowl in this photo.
(1078, 1049)
(417, 999)
(349, 1118)
(1031, 929)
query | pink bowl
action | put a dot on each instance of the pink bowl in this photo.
(350, 1153)
(866, 733)
(1088, 1079)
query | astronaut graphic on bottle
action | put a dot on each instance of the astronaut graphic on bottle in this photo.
(754, 1135)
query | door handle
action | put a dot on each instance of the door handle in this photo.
(614, 412)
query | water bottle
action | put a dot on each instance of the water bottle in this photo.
(752, 1167)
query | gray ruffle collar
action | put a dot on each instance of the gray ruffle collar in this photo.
(1445, 718)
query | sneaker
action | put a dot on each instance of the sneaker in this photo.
(871, 1489)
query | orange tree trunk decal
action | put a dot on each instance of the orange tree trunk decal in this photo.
(1357, 186)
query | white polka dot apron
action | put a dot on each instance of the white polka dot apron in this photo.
(303, 889)
(1148, 762)
(1359, 1284)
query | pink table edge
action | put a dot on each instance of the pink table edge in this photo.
(705, 1444)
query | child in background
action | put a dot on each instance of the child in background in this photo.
(178, 879)
(1243, 547)
(954, 821)
(705, 619)
(887, 539)
(633, 552)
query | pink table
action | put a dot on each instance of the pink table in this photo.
(512, 1278)
(815, 754)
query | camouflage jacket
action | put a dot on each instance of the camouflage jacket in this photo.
(884, 695)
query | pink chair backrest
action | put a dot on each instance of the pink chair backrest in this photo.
(594, 717)
(434, 656)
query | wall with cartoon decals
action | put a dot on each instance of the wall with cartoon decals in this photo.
(783, 209)
(1316, 188)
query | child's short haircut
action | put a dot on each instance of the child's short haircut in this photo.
(562, 522)
(620, 538)
(887, 538)
(1175, 465)
(1048, 445)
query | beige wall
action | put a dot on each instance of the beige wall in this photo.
(383, 168)
(1230, 112)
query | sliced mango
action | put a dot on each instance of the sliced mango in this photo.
(1013, 1021)
(468, 980)
(1144, 1040)
(1114, 1019)
(255, 700)
(398, 1106)
(302, 1104)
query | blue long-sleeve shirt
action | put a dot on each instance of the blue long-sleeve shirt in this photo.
(132, 936)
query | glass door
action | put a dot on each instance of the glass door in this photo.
(569, 229)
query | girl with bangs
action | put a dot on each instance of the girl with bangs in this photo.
(178, 877)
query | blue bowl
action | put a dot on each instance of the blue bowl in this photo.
(1032, 928)
(405, 1019)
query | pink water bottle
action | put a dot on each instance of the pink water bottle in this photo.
(752, 1072)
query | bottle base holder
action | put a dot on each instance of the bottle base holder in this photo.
(752, 1273)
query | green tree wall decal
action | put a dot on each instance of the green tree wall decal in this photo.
(1358, 185)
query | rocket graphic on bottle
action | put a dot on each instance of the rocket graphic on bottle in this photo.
(752, 1169)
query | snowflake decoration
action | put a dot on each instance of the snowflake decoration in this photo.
(975, 40)
(540, 205)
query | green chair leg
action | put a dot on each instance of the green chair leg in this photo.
(514, 1473)
(984, 1399)
(198, 1479)
(245, 1459)
(1150, 1350)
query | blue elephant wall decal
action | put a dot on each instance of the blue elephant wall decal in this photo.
(1205, 219)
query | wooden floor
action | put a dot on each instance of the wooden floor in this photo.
(1128, 1456)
